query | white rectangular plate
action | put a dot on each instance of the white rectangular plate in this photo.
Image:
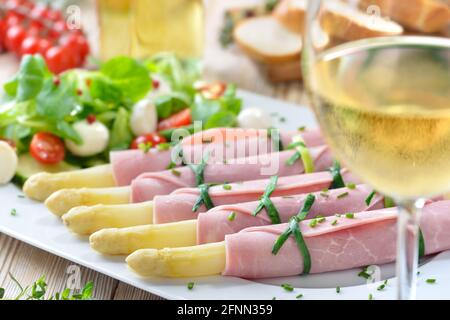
(36, 226)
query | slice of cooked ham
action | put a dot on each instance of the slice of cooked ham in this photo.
(369, 238)
(214, 225)
(230, 143)
(148, 185)
(177, 206)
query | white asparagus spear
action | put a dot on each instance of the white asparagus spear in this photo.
(87, 220)
(204, 260)
(63, 200)
(157, 236)
(41, 185)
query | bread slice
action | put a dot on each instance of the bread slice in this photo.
(426, 16)
(291, 14)
(348, 23)
(266, 40)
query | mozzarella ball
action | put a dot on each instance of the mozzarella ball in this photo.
(8, 162)
(95, 138)
(144, 118)
(254, 118)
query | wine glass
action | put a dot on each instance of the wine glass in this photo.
(379, 82)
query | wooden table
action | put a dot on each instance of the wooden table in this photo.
(27, 263)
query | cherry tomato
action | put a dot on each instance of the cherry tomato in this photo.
(59, 59)
(2, 33)
(213, 90)
(153, 138)
(30, 45)
(58, 28)
(47, 148)
(14, 37)
(54, 15)
(77, 45)
(176, 120)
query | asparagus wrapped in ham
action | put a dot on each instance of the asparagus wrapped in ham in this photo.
(339, 243)
(127, 165)
(179, 205)
(149, 185)
(215, 224)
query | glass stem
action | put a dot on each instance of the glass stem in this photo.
(408, 247)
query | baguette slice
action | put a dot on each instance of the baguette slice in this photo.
(345, 22)
(266, 40)
(291, 14)
(426, 16)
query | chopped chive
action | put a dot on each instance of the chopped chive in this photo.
(282, 119)
(145, 147)
(199, 169)
(232, 216)
(351, 186)
(274, 298)
(171, 165)
(226, 187)
(313, 223)
(13, 212)
(381, 287)
(301, 129)
(385, 282)
(338, 289)
(190, 285)
(299, 296)
(350, 215)
(431, 281)
(176, 172)
(418, 272)
(225, 161)
(338, 215)
(325, 195)
(370, 296)
(388, 202)
(20, 196)
(364, 274)
(326, 190)
(334, 222)
(163, 146)
(321, 220)
(342, 195)
(370, 197)
(287, 287)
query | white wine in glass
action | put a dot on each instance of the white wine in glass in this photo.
(383, 104)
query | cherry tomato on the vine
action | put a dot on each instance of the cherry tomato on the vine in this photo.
(14, 37)
(59, 59)
(47, 148)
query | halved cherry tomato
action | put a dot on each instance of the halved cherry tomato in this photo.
(213, 90)
(153, 139)
(180, 119)
(47, 148)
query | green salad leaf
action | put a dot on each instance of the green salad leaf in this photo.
(127, 75)
(121, 134)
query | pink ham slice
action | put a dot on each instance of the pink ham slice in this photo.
(149, 185)
(177, 206)
(367, 239)
(129, 164)
(213, 225)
